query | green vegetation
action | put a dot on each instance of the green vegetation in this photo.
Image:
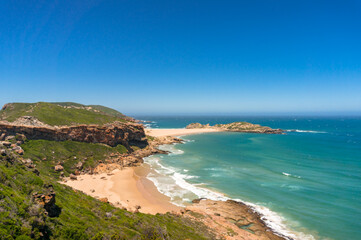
(46, 154)
(81, 216)
(62, 113)
(105, 110)
(27, 209)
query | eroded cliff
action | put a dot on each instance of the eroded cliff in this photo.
(127, 134)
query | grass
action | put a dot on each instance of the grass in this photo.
(46, 154)
(81, 216)
(56, 115)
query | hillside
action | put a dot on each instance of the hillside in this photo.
(33, 205)
(62, 113)
(35, 154)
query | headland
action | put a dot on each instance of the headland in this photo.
(99, 152)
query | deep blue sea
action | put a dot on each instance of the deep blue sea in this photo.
(306, 183)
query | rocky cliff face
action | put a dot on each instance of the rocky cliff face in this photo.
(127, 134)
(238, 127)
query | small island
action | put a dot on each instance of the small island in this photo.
(237, 127)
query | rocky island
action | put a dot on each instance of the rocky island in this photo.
(70, 171)
(237, 127)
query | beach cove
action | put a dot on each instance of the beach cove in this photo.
(130, 189)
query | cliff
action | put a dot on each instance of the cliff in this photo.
(126, 134)
(238, 127)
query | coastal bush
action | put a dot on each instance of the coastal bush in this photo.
(46, 154)
(56, 115)
(80, 216)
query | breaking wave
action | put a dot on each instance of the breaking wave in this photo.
(304, 131)
(173, 183)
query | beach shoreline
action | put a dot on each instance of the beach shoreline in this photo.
(127, 188)
(130, 189)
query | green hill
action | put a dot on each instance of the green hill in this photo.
(73, 215)
(62, 113)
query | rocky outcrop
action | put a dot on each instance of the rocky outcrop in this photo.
(47, 201)
(127, 134)
(231, 220)
(238, 127)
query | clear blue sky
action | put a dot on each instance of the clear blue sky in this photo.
(184, 56)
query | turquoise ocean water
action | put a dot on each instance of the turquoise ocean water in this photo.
(307, 183)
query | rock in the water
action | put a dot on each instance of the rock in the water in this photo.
(197, 200)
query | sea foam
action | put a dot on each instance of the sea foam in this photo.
(172, 183)
(303, 131)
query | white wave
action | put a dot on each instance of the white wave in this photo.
(173, 184)
(200, 192)
(277, 223)
(304, 131)
(171, 149)
(290, 175)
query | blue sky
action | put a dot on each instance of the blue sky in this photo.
(195, 57)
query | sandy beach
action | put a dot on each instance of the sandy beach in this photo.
(125, 188)
(129, 187)
(163, 132)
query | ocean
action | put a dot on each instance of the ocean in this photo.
(306, 183)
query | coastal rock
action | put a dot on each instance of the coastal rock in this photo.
(72, 177)
(127, 134)
(20, 137)
(58, 168)
(47, 201)
(3, 152)
(28, 163)
(6, 143)
(231, 220)
(19, 151)
(106, 168)
(9, 138)
(79, 166)
(7, 105)
(104, 200)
